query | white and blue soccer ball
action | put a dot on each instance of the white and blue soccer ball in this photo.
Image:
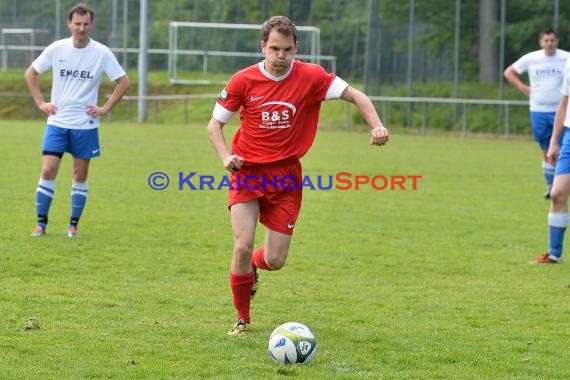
(292, 343)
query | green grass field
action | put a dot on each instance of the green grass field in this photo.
(425, 284)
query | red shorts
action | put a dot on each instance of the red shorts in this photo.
(276, 186)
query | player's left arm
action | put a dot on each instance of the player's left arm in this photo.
(121, 86)
(378, 133)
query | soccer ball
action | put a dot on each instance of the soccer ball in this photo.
(292, 343)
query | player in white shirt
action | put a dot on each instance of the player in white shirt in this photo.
(545, 70)
(78, 65)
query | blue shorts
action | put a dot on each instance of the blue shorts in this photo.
(541, 124)
(81, 143)
(563, 163)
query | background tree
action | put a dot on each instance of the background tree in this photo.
(345, 32)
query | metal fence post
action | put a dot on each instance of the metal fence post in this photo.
(465, 127)
(347, 113)
(384, 114)
(424, 119)
(186, 100)
(156, 111)
(507, 121)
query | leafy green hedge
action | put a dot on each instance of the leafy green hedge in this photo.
(450, 117)
(435, 117)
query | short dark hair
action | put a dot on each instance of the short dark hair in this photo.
(81, 9)
(280, 23)
(548, 31)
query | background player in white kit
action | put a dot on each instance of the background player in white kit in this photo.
(78, 64)
(545, 70)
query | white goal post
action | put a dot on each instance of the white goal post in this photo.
(18, 46)
(197, 48)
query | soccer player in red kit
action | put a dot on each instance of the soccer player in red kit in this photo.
(279, 100)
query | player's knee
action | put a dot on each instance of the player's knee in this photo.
(243, 250)
(275, 262)
(80, 178)
(48, 173)
(558, 198)
(80, 175)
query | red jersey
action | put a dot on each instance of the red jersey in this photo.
(279, 115)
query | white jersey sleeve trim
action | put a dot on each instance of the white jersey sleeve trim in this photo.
(221, 114)
(336, 89)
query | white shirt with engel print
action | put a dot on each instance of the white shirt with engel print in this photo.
(77, 74)
(545, 74)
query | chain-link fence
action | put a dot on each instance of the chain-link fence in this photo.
(413, 48)
(381, 43)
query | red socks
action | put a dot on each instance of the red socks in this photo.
(241, 285)
(241, 292)
(258, 259)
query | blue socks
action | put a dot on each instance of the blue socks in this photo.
(44, 196)
(78, 198)
(557, 223)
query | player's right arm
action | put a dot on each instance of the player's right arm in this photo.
(513, 78)
(227, 103)
(33, 83)
(231, 162)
